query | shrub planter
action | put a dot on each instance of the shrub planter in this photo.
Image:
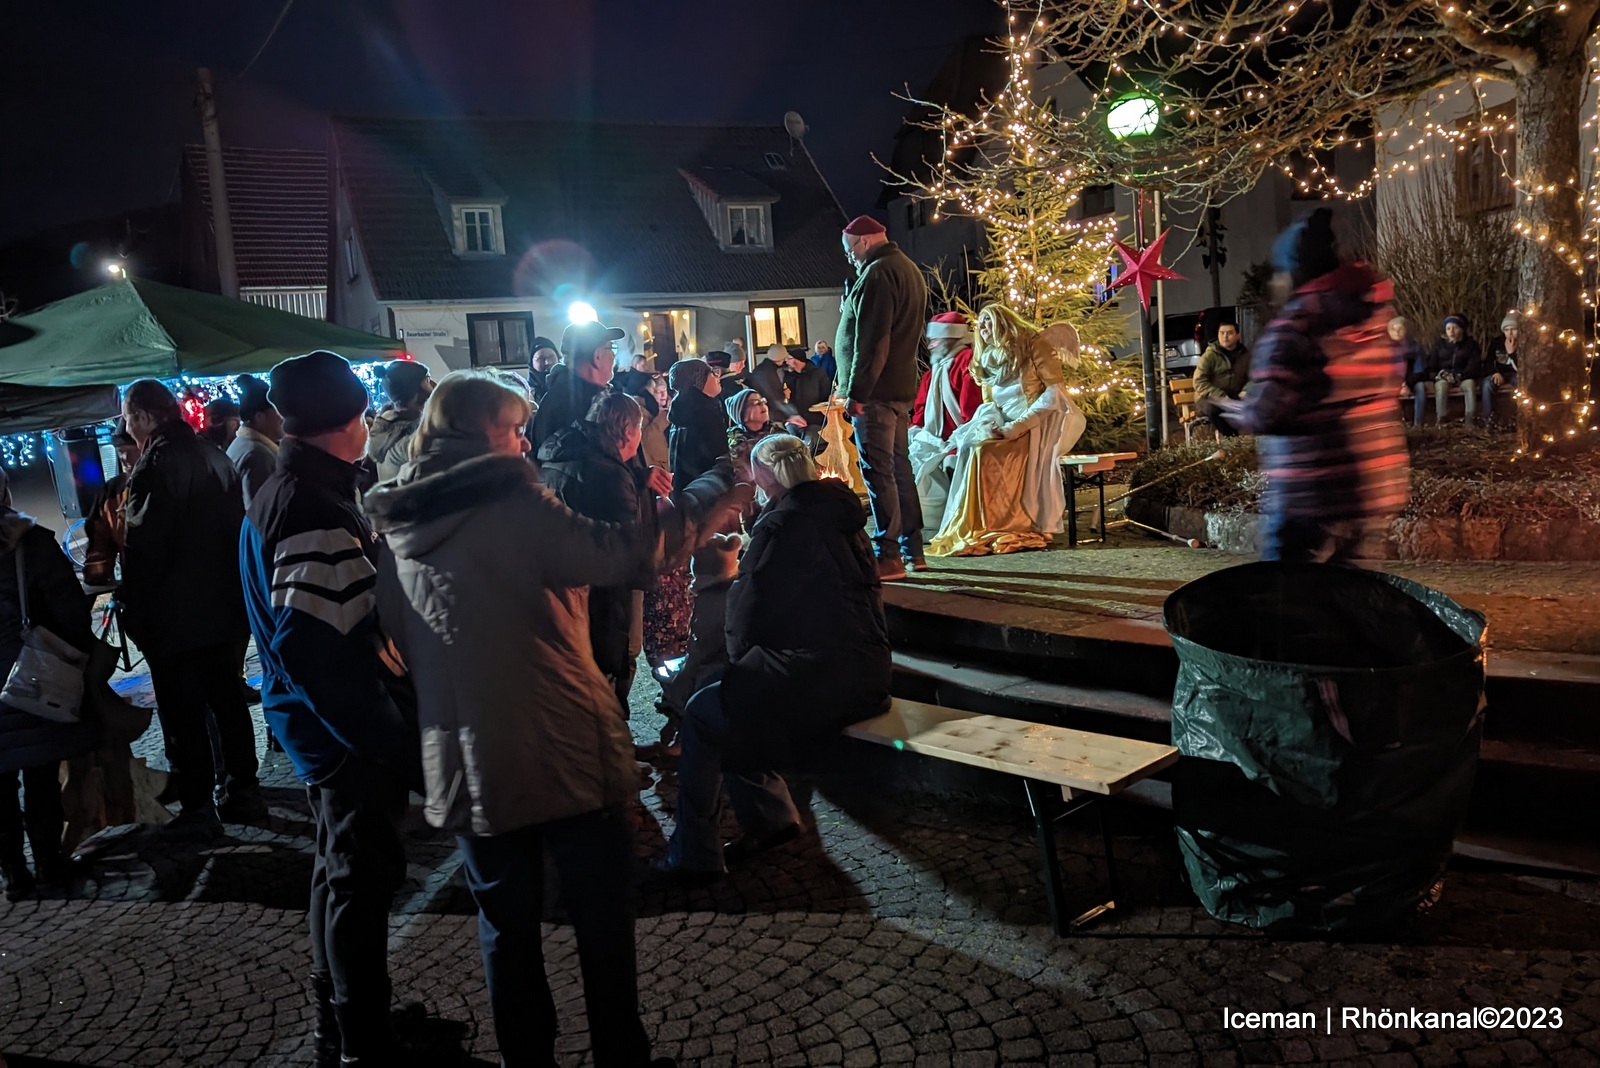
(1535, 541)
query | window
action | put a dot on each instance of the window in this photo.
(775, 161)
(1097, 200)
(916, 214)
(479, 225)
(350, 258)
(500, 339)
(778, 324)
(747, 226)
(1486, 166)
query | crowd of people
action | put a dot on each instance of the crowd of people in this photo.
(449, 596)
(411, 642)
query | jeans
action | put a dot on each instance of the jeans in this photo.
(760, 802)
(42, 818)
(1208, 407)
(1312, 541)
(1488, 387)
(186, 684)
(593, 855)
(1441, 399)
(360, 863)
(891, 488)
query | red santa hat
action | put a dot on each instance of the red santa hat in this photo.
(949, 324)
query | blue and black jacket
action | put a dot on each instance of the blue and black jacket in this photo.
(331, 686)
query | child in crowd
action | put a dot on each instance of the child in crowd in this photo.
(713, 568)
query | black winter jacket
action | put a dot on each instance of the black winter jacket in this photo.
(1461, 358)
(55, 601)
(180, 564)
(808, 387)
(593, 482)
(566, 401)
(698, 435)
(807, 644)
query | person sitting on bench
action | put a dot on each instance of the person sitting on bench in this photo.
(790, 682)
(1222, 373)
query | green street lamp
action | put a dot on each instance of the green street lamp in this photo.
(1134, 115)
(1138, 114)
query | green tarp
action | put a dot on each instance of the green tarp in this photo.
(30, 409)
(141, 329)
(1329, 720)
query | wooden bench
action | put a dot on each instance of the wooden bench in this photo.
(1183, 398)
(1084, 767)
(1088, 469)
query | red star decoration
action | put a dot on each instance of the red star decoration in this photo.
(1144, 268)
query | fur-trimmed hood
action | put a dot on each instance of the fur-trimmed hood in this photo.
(433, 498)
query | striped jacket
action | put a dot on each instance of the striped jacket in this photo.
(1324, 384)
(309, 561)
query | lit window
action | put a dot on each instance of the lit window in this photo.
(479, 226)
(778, 324)
(747, 227)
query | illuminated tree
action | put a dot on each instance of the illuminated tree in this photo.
(1245, 85)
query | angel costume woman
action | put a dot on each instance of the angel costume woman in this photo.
(1006, 493)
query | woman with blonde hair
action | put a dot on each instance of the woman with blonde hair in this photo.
(789, 683)
(524, 748)
(1006, 492)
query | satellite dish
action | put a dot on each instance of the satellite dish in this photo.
(795, 125)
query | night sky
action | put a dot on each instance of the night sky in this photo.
(100, 97)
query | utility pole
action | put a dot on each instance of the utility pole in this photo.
(1215, 256)
(221, 221)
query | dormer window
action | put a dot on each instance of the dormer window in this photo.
(747, 226)
(478, 230)
(737, 207)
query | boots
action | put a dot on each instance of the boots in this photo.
(244, 804)
(19, 880)
(326, 1034)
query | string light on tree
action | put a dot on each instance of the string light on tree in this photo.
(1259, 84)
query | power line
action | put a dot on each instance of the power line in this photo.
(287, 4)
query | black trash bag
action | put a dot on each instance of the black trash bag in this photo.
(1331, 719)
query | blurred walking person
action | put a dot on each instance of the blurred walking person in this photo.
(1324, 404)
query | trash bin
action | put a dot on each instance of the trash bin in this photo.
(1330, 720)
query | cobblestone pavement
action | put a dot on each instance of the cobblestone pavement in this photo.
(907, 930)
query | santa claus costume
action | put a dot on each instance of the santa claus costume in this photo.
(946, 399)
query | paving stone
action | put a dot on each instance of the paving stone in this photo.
(909, 930)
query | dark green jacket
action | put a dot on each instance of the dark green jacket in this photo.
(1221, 373)
(880, 329)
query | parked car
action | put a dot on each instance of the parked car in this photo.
(1182, 358)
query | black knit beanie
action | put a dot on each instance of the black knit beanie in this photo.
(316, 393)
(1307, 249)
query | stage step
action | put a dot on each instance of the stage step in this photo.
(1533, 697)
(1537, 794)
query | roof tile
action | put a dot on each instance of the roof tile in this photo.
(603, 206)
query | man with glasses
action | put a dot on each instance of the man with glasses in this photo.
(588, 355)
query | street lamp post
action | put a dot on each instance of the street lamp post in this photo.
(1138, 114)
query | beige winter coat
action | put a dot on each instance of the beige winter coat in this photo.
(485, 595)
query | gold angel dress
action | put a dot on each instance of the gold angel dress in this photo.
(1006, 493)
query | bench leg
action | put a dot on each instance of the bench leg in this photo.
(1072, 507)
(1042, 803)
(1101, 483)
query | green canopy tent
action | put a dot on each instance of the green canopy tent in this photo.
(140, 329)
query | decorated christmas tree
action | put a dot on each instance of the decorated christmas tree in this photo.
(1045, 262)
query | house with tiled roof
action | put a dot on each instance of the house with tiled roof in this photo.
(278, 204)
(469, 237)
